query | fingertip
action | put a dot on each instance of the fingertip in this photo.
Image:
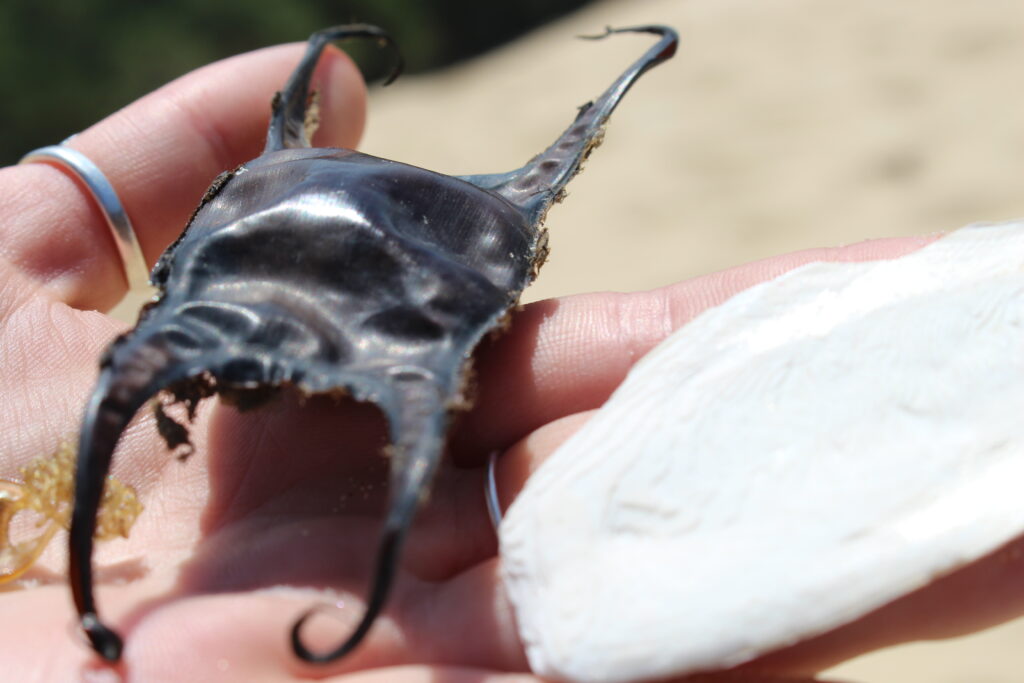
(519, 462)
(160, 154)
(479, 623)
(342, 100)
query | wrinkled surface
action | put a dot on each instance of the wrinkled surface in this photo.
(341, 270)
(812, 449)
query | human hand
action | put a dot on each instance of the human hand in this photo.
(278, 509)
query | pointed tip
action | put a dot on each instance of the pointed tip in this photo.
(104, 640)
(288, 110)
(133, 370)
(608, 30)
(657, 29)
(387, 565)
(534, 187)
(418, 436)
(399, 68)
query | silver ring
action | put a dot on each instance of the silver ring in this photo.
(103, 193)
(491, 492)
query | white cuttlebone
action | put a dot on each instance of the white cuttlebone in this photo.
(813, 448)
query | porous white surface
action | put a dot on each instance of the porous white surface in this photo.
(813, 448)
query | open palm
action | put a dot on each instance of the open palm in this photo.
(278, 510)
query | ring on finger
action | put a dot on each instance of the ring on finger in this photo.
(103, 193)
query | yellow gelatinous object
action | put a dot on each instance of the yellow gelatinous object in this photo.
(47, 491)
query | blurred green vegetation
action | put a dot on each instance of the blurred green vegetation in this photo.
(65, 64)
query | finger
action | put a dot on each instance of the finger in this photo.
(422, 674)
(160, 154)
(980, 595)
(48, 354)
(230, 637)
(463, 623)
(469, 621)
(561, 359)
(433, 674)
(565, 356)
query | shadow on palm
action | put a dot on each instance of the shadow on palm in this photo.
(298, 490)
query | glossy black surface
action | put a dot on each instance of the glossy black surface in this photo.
(327, 270)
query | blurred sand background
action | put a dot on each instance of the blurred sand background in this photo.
(780, 125)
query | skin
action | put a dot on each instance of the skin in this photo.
(278, 509)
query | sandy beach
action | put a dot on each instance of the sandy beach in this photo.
(780, 125)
